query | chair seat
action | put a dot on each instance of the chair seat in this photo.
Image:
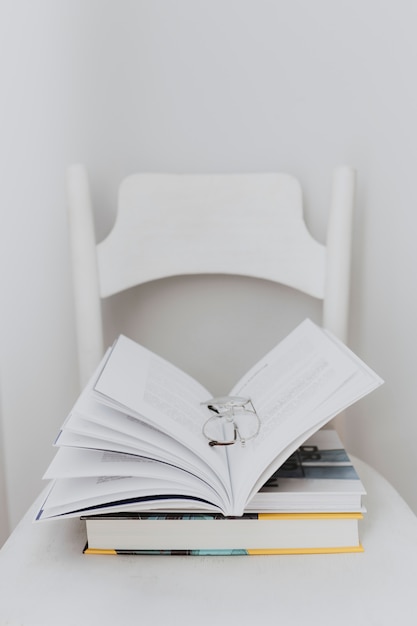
(45, 579)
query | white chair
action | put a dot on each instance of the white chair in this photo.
(170, 225)
(44, 577)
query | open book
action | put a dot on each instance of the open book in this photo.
(146, 435)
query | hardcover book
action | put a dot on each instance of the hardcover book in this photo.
(251, 533)
(313, 503)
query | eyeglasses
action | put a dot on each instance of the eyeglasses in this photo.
(234, 415)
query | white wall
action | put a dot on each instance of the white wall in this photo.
(193, 86)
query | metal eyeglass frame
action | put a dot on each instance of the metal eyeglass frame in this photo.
(228, 407)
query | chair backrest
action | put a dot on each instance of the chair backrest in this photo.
(175, 224)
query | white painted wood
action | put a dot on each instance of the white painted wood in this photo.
(243, 224)
(84, 272)
(4, 521)
(174, 224)
(338, 244)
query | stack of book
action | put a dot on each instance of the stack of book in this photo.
(154, 465)
(312, 504)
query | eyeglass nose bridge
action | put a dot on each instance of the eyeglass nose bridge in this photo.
(224, 405)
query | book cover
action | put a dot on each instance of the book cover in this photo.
(318, 476)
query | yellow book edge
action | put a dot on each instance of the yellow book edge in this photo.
(283, 516)
(251, 552)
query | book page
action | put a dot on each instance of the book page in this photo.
(133, 380)
(298, 387)
(106, 465)
(95, 419)
(73, 496)
(172, 452)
